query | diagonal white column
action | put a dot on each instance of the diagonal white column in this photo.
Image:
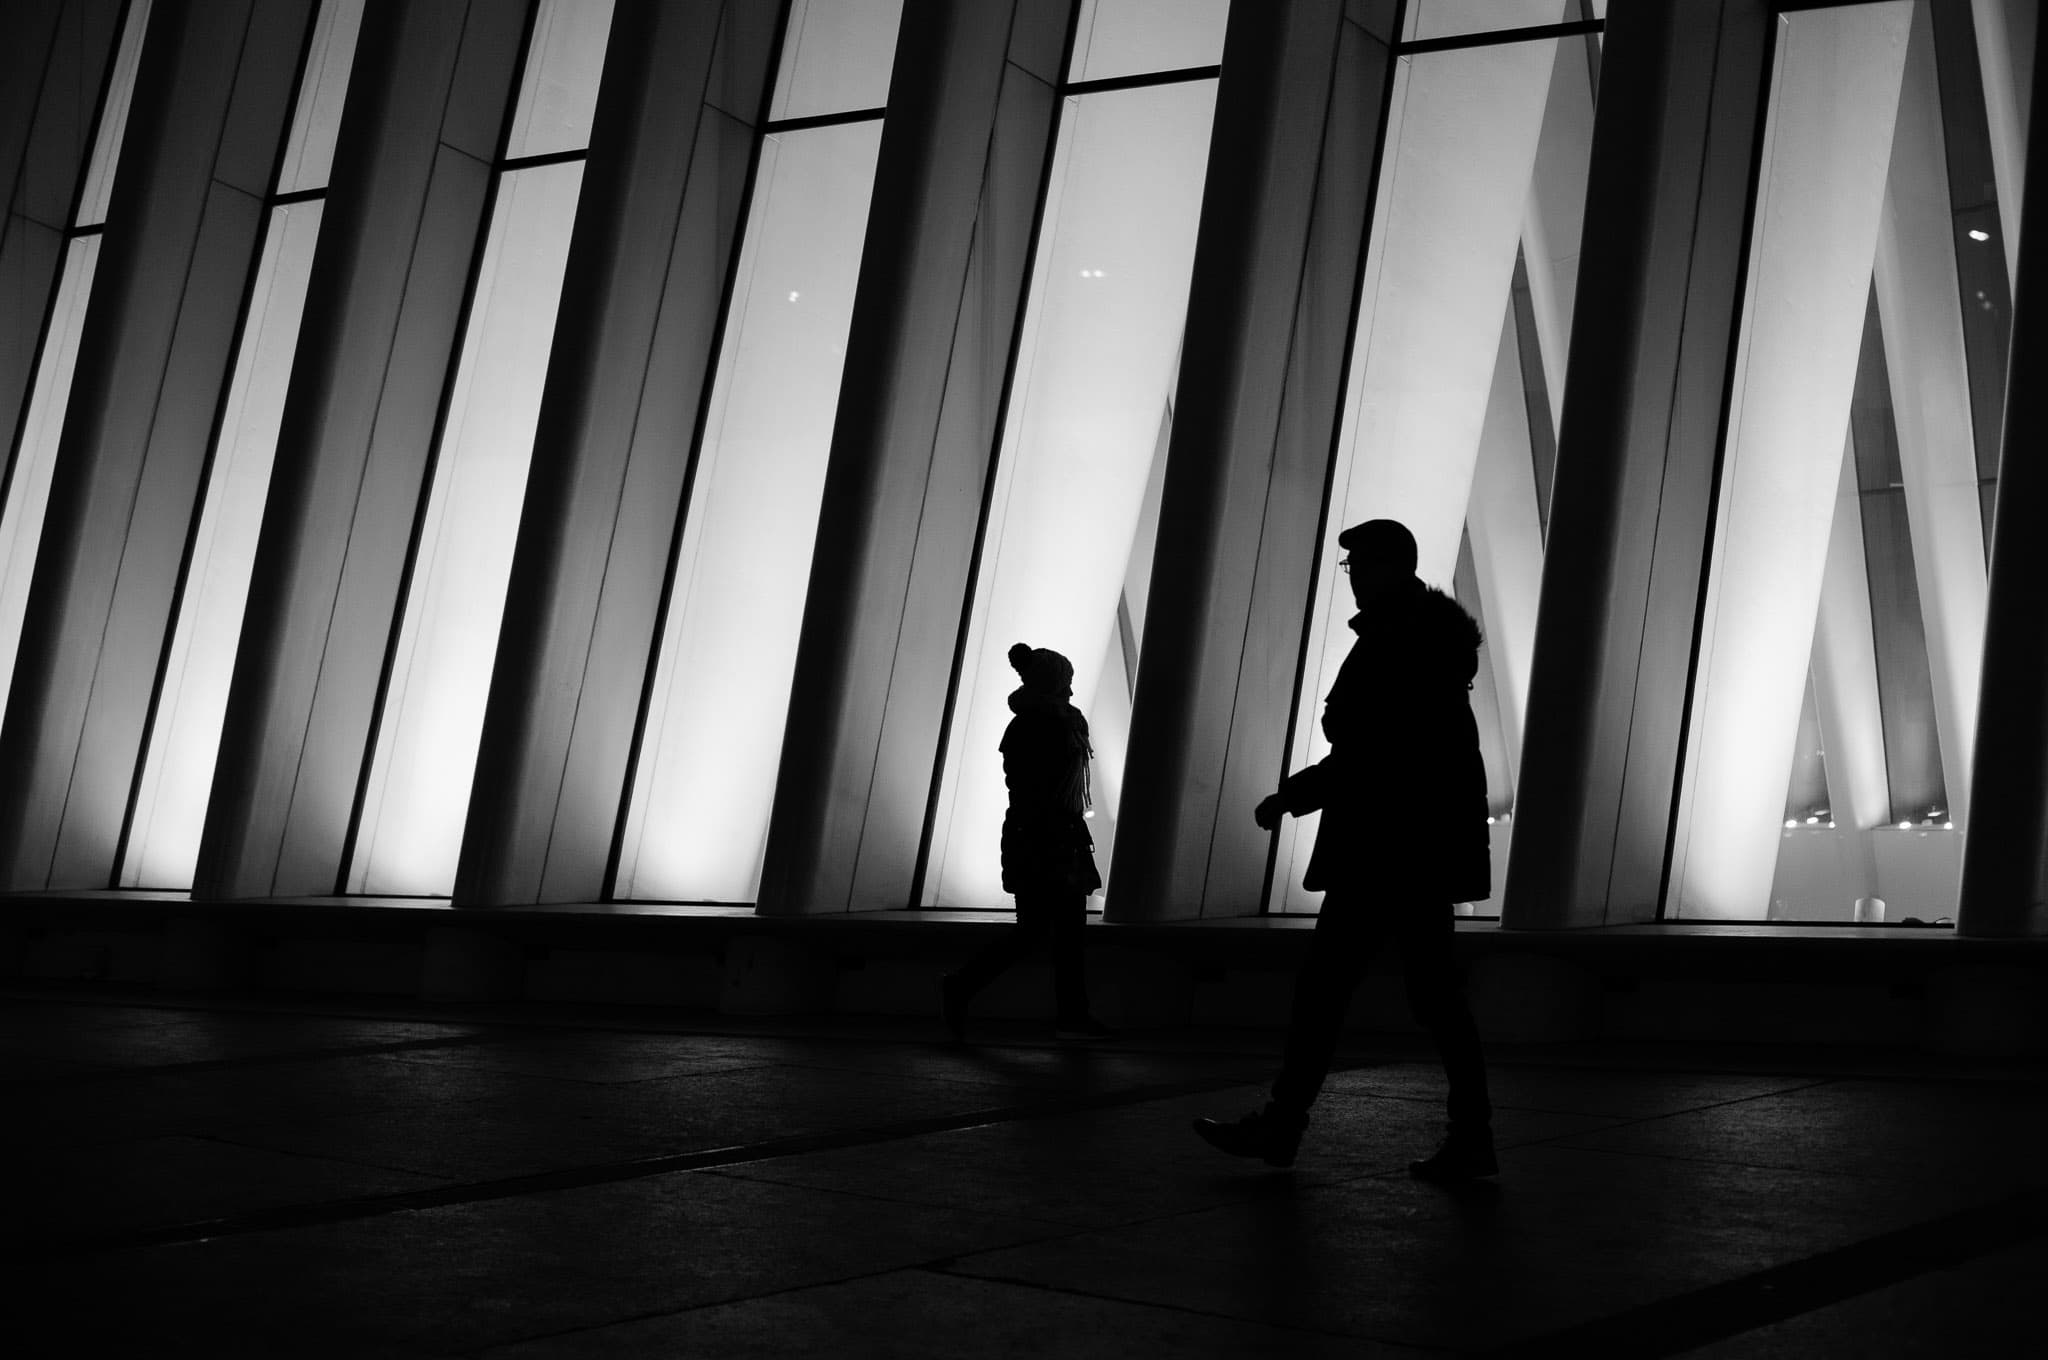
(1507, 545)
(1556, 212)
(1917, 292)
(1845, 671)
(2005, 47)
(1828, 142)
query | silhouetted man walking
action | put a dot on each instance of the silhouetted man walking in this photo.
(1403, 798)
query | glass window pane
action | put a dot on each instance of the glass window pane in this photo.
(698, 818)
(1137, 37)
(106, 150)
(836, 57)
(170, 805)
(1073, 515)
(418, 792)
(1458, 18)
(35, 456)
(310, 152)
(1450, 416)
(1848, 560)
(558, 89)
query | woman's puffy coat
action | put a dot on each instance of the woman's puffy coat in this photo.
(1046, 845)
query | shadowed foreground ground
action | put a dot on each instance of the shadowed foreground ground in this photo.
(244, 1178)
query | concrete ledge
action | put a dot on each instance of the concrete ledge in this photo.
(1888, 986)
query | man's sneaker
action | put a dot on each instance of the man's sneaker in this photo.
(1086, 1028)
(1462, 1157)
(1267, 1134)
(953, 1007)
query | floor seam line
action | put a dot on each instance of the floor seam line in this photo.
(374, 1206)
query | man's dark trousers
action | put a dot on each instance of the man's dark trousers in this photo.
(1352, 928)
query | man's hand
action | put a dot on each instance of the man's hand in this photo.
(1269, 811)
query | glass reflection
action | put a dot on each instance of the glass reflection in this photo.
(1138, 37)
(1834, 697)
(698, 817)
(837, 56)
(177, 776)
(417, 796)
(1456, 385)
(1074, 510)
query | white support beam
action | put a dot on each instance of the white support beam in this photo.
(1917, 300)
(1555, 217)
(1845, 692)
(2005, 48)
(1507, 545)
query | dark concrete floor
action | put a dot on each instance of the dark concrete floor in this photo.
(284, 1179)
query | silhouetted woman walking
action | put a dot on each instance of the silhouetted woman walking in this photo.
(1048, 855)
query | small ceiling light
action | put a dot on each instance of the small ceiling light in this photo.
(1979, 234)
(1813, 821)
(1948, 826)
(1090, 813)
(1490, 821)
(1905, 826)
(1791, 821)
(1831, 825)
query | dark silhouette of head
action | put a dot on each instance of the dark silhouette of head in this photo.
(1381, 557)
(1043, 670)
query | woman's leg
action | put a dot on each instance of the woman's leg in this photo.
(1009, 948)
(1066, 915)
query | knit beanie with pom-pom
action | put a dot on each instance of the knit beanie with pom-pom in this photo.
(1041, 668)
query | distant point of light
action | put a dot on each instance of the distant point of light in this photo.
(1948, 826)
(1979, 234)
(1905, 826)
(1831, 826)
(1492, 821)
(794, 296)
(1813, 821)
(1089, 813)
(1791, 821)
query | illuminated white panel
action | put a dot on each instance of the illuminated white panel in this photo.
(1136, 37)
(106, 149)
(1463, 131)
(1457, 18)
(698, 817)
(837, 56)
(558, 89)
(309, 154)
(1845, 692)
(1917, 289)
(1834, 100)
(28, 488)
(418, 791)
(1109, 297)
(170, 805)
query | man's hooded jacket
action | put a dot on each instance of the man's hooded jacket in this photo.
(1403, 790)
